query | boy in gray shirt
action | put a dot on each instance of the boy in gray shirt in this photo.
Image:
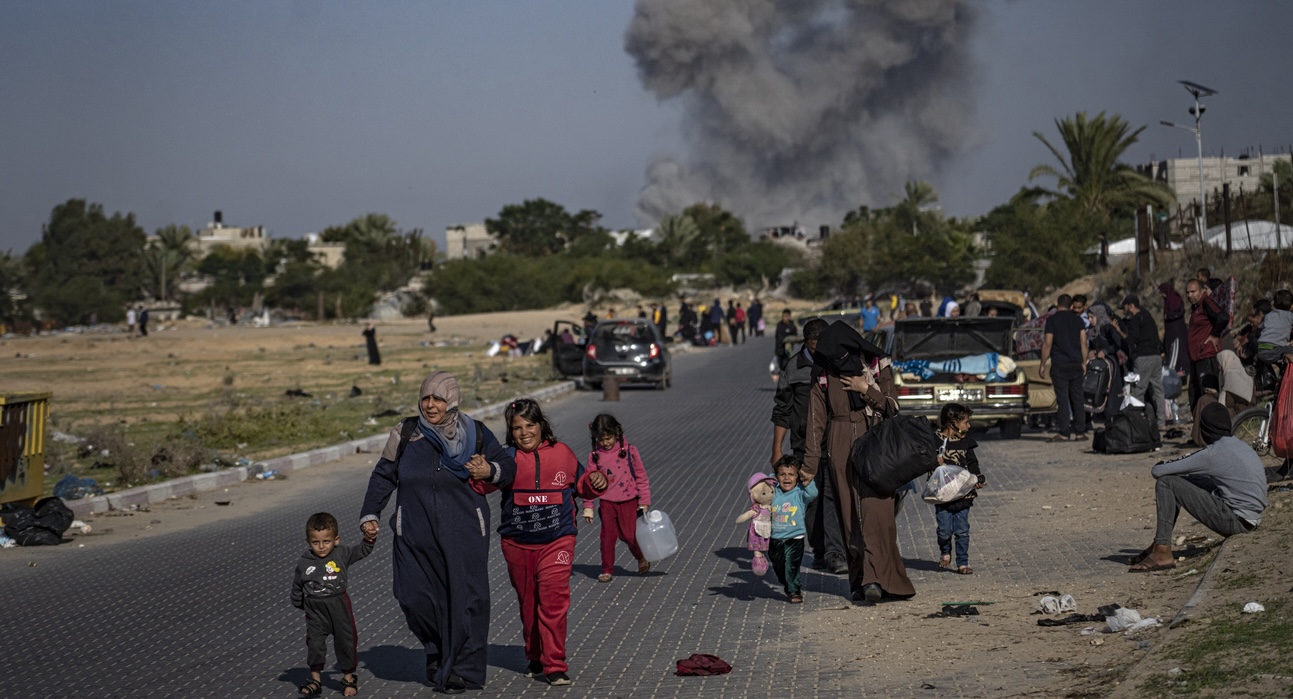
(1277, 326)
(1223, 486)
(319, 587)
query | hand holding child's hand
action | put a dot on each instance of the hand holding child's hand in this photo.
(597, 479)
(478, 467)
(370, 529)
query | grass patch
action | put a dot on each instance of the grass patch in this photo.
(1238, 582)
(1229, 653)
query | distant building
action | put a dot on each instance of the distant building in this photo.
(468, 242)
(330, 255)
(216, 234)
(1181, 175)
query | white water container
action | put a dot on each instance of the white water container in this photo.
(656, 536)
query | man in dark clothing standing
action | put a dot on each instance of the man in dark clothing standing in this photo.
(790, 415)
(785, 328)
(1065, 345)
(1146, 356)
(1203, 338)
(755, 314)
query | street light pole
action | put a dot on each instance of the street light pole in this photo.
(1196, 111)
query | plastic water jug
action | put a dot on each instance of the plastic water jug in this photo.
(656, 536)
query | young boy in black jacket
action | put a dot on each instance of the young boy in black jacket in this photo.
(954, 517)
(319, 587)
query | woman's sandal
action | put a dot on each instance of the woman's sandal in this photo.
(644, 567)
(945, 562)
(965, 570)
(604, 577)
(311, 688)
(349, 684)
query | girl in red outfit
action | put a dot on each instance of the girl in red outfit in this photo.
(537, 529)
(627, 494)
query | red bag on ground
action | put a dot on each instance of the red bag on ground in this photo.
(701, 664)
(1282, 430)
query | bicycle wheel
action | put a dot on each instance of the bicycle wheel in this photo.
(1247, 428)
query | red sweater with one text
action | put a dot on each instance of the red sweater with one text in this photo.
(539, 507)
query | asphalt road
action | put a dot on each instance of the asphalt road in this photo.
(204, 612)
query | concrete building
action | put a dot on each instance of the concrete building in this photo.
(468, 242)
(1182, 175)
(330, 255)
(216, 233)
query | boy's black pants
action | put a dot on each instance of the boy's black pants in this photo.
(331, 616)
(787, 556)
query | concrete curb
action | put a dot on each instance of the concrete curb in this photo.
(203, 482)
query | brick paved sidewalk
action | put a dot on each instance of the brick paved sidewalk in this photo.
(205, 613)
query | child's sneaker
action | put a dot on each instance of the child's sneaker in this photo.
(559, 679)
(534, 669)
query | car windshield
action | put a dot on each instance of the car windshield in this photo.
(624, 332)
(943, 338)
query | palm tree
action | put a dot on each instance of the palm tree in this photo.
(168, 255)
(676, 236)
(1090, 172)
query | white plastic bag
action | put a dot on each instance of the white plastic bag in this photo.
(948, 483)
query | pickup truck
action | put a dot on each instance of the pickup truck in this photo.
(963, 360)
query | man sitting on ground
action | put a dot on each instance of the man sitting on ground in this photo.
(1223, 486)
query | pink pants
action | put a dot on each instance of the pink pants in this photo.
(619, 523)
(540, 573)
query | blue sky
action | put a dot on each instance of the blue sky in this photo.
(300, 115)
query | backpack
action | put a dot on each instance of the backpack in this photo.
(894, 452)
(410, 424)
(1096, 384)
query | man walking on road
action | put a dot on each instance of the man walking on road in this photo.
(1203, 338)
(790, 415)
(1146, 350)
(1065, 342)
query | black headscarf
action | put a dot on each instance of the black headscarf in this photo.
(841, 350)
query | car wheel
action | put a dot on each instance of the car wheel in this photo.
(593, 385)
(1012, 429)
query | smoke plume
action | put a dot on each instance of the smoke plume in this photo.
(801, 110)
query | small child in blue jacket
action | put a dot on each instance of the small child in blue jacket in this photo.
(789, 508)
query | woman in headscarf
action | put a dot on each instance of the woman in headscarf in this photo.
(442, 529)
(1174, 329)
(852, 390)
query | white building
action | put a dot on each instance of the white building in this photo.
(216, 233)
(468, 242)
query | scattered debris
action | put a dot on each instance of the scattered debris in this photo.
(1253, 608)
(954, 610)
(222, 502)
(1122, 619)
(297, 393)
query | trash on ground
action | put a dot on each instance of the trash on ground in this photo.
(1253, 608)
(1122, 619)
(42, 525)
(1174, 672)
(1070, 619)
(64, 437)
(1097, 641)
(1067, 603)
(7, 542)
(1192, 571)
(954, 610)
(1048, 605)
(70, 487)
(222, 502)
(1141, 625)
(79, 527)
(269, 475)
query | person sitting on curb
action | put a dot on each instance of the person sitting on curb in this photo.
(1223, 486)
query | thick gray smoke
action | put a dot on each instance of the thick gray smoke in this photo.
(801, 110)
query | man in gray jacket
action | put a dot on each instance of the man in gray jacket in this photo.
(1223, 486)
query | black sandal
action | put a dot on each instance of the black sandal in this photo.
(311, 688)
(352, 683)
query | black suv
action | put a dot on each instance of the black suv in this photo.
(629, 349)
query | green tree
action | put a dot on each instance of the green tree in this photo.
(12, 282)
(1263, 206)
(718, 232)
(539, 227)
(1090, 172)
(676, 234)
(1035, 244)
(167, 257)
(236, 275)
(86, 263)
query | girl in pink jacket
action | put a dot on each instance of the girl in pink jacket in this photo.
(627, 494)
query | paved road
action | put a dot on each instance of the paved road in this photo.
(204, 612)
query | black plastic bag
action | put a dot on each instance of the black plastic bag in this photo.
(1131, 432)
(894, 452)
(42, 525)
